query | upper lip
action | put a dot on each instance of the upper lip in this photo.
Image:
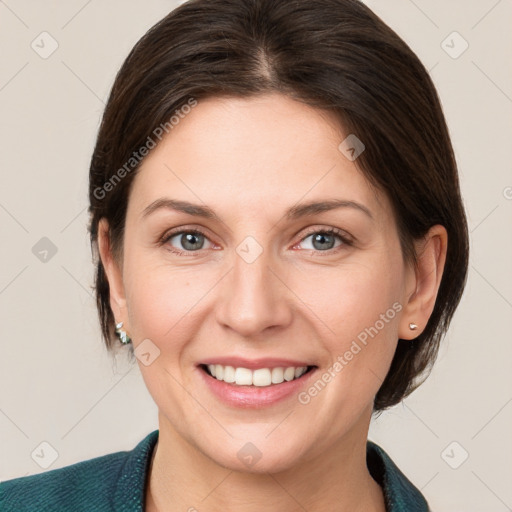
(252, 364)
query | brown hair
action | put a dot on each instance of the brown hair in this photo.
(329, 54)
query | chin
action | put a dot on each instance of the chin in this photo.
(258, 456)
(275, 463)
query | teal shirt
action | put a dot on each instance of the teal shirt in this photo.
(117, 482)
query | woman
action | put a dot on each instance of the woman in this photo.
(281, 243)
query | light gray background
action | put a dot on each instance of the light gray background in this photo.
(59, 386)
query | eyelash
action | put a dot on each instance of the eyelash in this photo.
(347, 242)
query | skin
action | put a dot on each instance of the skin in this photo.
(249, 160)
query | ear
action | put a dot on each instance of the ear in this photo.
(422, 283)
(114, 274)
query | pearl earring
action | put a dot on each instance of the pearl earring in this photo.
(413, 327)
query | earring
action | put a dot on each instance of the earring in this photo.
(123, 337)
(413, 327)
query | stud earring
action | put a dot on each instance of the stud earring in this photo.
(123, 337)
(413, 327)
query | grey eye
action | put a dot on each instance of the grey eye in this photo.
(189, 240)
(322, 241)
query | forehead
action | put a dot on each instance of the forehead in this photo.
(241, 154)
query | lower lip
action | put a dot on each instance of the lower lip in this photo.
(254, 397)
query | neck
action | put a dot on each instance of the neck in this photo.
(181, 478)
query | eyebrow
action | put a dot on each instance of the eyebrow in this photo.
(293, 213)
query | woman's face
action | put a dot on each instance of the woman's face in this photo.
(264, 285)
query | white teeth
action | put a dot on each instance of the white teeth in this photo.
(243, 377)
(229, 374)
(289, 373)
(277, 375)
(298, 372)
(261, 377)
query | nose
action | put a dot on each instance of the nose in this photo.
(254, 297)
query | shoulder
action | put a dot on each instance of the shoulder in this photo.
(400, 494)
(69, 486)
(94, 484)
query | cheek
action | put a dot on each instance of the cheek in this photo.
(356, 316)
(160, 299)
(350, 298)
(357, 312)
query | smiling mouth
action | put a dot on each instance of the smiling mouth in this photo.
(261, 377)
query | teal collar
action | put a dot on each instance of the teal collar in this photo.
(399, 493)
